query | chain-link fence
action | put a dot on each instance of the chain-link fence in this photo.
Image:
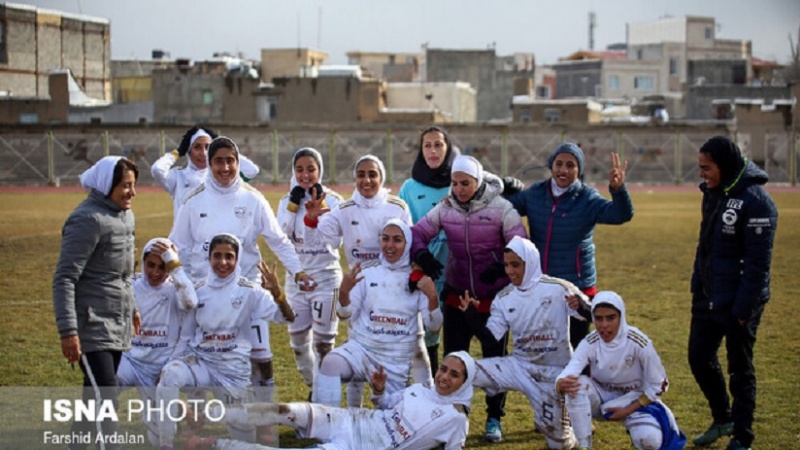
(656, 155)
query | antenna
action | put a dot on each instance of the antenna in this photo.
(592, 25)
(319, 29)
(298, 31)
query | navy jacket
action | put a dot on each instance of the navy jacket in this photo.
(563, 228)
(732, 263)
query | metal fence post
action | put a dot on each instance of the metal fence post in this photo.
(106, 144)
(51, 169)
(332, 156)
(504, 153)
(389, 157)
(275, 169)
(793, 159)
(162, 144)
(678, 158)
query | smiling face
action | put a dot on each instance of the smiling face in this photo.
(198, 151)
(393, 243)
(225, 166)
(606, 322)
(122, 194)
(154, 269)
(223, 259)
(434, 149)
(450, 376)
(709, 170)
(464, 186)
(306, 172)
(368, 178)
(515, 267)
(565, 169)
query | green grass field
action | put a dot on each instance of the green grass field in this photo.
(648, 261)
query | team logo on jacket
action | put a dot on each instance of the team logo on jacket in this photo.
(729, 217)
(629, 361)
(240, 212)
(236, 302)
(436, 413)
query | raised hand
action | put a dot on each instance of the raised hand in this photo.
(269, 278)
(349, 280)
(316, 206)
(616, 177)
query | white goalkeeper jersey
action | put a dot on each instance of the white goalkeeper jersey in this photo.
(358, 226)
(538, 319)
(242, 212)
(385, 315)
(319, 258)
(218, 330)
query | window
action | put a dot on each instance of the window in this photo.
(543, 92)
(613, 82)
(643, 83)
(552, 114)
(639, 54)
(709, 33)
(673, 66)
(208, 97)
(28, 118)
(525, 115)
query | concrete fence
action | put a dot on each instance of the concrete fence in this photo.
(32, 156)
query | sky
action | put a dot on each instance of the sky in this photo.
(550, 29)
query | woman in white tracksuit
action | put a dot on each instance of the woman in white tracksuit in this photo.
(223, 203)
(180, 181)
(384, 312)
(217, 353)
(416, 418)
(163, 294)
(626, 382)
(316, 319)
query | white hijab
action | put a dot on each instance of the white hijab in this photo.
(463, 395)
(527, 252)
(379, 198)
(215, 281)
(212, 182)
(405, 260)
(613, 349)
(100, 176)
(199, 133)
(147, 249)
(306, 151)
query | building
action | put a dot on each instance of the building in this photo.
(454, 102)
(290, 62)
(34, 42)
(390, 67)
(328, 99)
(492, 77)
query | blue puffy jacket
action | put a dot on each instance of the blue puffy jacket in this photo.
(563, 228)
(734, 251)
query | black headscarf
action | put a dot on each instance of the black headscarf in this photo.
(727, 156)
(439, 177)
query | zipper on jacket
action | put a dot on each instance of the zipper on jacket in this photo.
(578, 261)
(469, 253)
(549, 235)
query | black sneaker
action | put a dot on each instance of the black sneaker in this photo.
(714, 432)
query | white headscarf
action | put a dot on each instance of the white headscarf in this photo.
(147, 249)
(405, 260)
(212, 182)
(612, 349)
(528, 253)
(468, 165)
(379, 198)
(101, 175)
(199, 133)
(306, 151)
(463, 395)
(215, 281)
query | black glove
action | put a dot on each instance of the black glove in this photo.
(492, 273)
(429, 264)
(413, 279)
(318, 189)
(297, 194)
(511, 186)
